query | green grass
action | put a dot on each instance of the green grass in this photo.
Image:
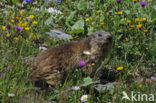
(133, 48)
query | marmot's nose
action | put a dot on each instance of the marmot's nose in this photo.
(109, 38)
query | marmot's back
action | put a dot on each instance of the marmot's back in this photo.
(53, 64)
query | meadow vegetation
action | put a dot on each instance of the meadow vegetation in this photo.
(23, 27)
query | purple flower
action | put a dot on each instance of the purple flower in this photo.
(118, 1)
(18, 28)
(82, 63)
(143, 3)
(148, 80)
(37, 10)
(136, 74)
(6, 12)
(8, 26)
(153, 78)
(28, 18)
(59, 2)
(110, 12)
(28, 1)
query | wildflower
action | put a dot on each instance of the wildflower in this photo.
(8, 26)
(8, 35)
(16, 39)
(18, 18)
(139, 26)
(27, 28)
(6, 12)
(101, 24)
(31, 16)
(59, 2)
(34, 22)
(3, 27)
(24, 19)
(11, 94)
(153, 78)
(12, 20)
(128, 21)
(136, 74)
(148, 80)
(86, 52)
(93, 64)
(132, 26)
(118, 1)
(143, 19)
(110, 12)
(21, 12)
(136, 19)
(137, 71)
(53, 10)
(143, 3)
(120, 68)
(42, 99)
(14, 63)
(84, 98)
(18, 28)
(145, 31)
(126, 39)
(37, 10)
(28, 18)
(135, 0)
(75, 88)
(140, 86)
(119, 13)
(28, 1)
(87, 19)
(125, 18)
(99, 11)
(82, 63)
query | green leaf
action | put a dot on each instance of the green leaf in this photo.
(15, 1)
(49, 20)
(69, 18)
(87, 81)
(81, 5)
(90, 30)
(78, 27)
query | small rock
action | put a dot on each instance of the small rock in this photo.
(58, 34)
(42, 48)
(104, 87)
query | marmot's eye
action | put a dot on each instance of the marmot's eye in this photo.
(99, 35)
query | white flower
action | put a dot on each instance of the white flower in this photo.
(53, 10)
(75, 88)
(84, 98)
(11, 94)
(86, 52)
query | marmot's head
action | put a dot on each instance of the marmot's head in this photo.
(101, 38)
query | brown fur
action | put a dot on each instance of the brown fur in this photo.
(54, 64)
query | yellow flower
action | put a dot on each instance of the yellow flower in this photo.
(12, 20)
(16, 39)
(99, 11)
(18, 18)
(143, 19)
(128, 21)
(136, 19)
(129, 28)
(139, 26)
(140, 86)
(137, 71)
(135, 0)
(127, 39)
(125, 18)
(14, 63)
(120, 13)
(145, 31)
(31, 16)
(27, 28)
(34, 22)
(101, 24)
(21, 12)
(24, 19)
(132, 26)
(8, 35)
(88, 19)
(120, 68)
(3, 27)
(93, 64)
(31, 34)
